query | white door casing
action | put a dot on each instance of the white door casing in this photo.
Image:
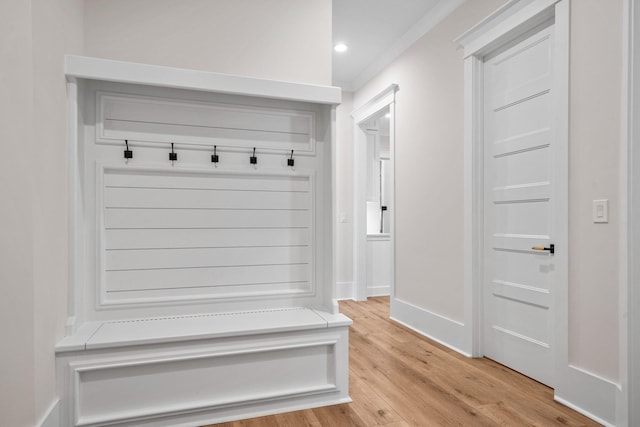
(518, 150)
(575, 387)
(384, 99)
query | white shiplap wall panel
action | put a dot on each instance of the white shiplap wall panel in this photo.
(177, 278)
(204, 233)
(223, 181)
(205, 257)
(182, 198)
(202, 238)
(205, 218)
(157, 120)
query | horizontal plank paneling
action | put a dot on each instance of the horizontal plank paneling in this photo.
(163, 110)
(206, 277)
(284, 289)
(204, 257)
(204, 218)
(186, 233)
(165, 132)
(212, 181)
(160, 120)
(199, 199)
(199, 238)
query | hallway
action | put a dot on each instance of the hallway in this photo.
(399, 378)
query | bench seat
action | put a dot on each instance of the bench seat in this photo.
(184, 370)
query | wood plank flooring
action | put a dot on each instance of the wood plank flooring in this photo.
(399, 378)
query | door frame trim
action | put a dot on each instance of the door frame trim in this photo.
(629, 413)
(385, 98)
(505, 24)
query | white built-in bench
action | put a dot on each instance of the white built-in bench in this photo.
(202, 284)
(124, 333)
(191, 370)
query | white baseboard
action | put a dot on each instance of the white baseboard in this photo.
(589, 394)
(51, 418)
(379, 291)
(344, 290)
(447, 332)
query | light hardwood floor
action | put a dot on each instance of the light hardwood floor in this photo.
(399, 378)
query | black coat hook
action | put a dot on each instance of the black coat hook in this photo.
(128, 154)
(290, 161)
(214, 157)
(253, 159)
(173, 156)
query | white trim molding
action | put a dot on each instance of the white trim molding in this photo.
(51, 418)
(344, 290)
(629, 396)
(581, 390)
(589, 394)
(385, 98)
(84, 67)
(443, 330)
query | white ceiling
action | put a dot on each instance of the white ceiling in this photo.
(377, 31)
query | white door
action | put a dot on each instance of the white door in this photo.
(518, 189)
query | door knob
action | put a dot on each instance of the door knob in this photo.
(551, 248)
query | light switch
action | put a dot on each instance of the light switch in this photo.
(601, 210)
(343, 217)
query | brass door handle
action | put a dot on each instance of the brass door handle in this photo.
(551, 248)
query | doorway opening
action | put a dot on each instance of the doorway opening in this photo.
(373, 210)
(379, 183)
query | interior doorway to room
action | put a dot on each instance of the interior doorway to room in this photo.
(374, 196)
(378, 203)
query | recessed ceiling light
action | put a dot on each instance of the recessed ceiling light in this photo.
(340, 47)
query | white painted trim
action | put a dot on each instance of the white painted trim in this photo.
(76, 369)
(443, 330)
(473, 206)
(629, 396)
(375, 104)
(51, 417)
(74, 206)
(514, 17)
(378, 291)
(333, 186)
(344, 290)
(392, 196)
(360, 115)
(85, 67)
(433, 17)
(591, 395)
(561, 198)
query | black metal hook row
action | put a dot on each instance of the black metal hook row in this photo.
(215, 158)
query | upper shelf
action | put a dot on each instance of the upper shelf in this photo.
(85, 67)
